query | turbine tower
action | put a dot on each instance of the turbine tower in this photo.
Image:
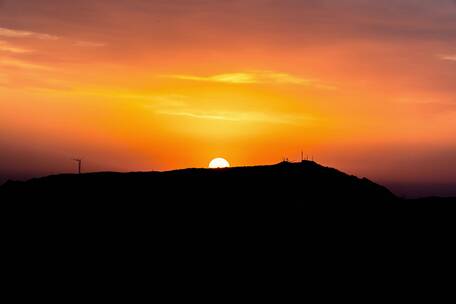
(79, 161)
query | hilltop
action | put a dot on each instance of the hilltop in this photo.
(290, 203)
(276, 186)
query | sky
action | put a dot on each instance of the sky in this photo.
(365, 86)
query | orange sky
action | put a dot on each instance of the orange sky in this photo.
(364, 86)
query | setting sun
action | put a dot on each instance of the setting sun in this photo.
(158, 85)
(218, 163)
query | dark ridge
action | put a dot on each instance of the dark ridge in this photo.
(286, 196)
(168, 221)
(289, 184)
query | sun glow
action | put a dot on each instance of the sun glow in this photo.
(218, 163)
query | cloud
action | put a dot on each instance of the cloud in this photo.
(225, 78)
(448, 57)
(180, 105)
(257, 77)
(238, 116)
(7, 47)
(89, 44)
(15, 63)
(431, 105)
(9, 33)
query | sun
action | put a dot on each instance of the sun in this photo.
(218, 163)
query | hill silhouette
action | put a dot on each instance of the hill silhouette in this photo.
(303, 193)
(176, 221)
(281, 186)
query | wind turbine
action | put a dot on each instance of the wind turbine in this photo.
(79, 161)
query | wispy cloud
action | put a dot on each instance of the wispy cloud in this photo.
(432, 104)
(89, 44)
(16, 63)
(9, 33)
(448, 57)
(7, 47)
(238, 116)
(247, 78)
(179, 105)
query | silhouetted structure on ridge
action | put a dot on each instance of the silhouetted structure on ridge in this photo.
(79, 161)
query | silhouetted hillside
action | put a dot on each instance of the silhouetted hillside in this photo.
(299, 193)
(213, 217)
(285, 185)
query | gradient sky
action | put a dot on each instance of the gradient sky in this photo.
(366, 86)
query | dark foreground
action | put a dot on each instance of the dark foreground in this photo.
(208, 231)
(297, 194)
